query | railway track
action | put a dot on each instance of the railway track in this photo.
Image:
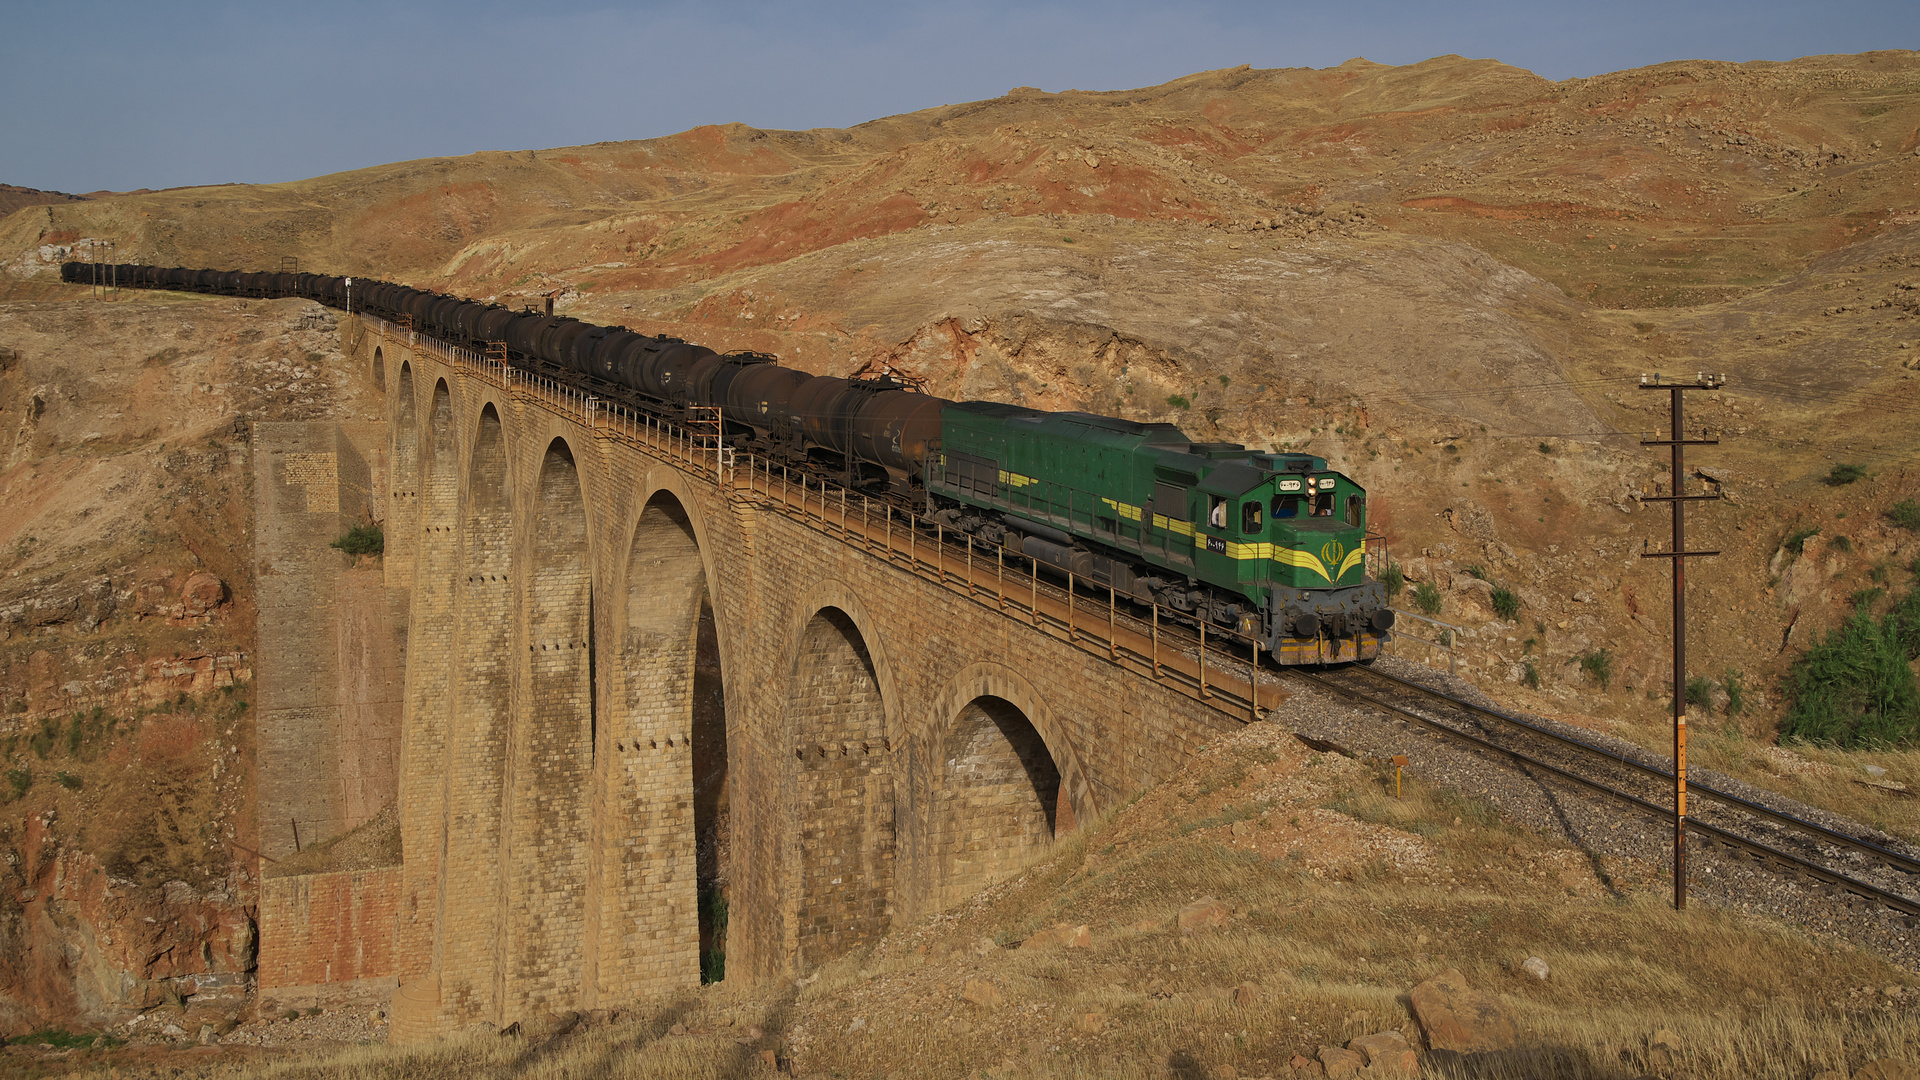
(1855, 865)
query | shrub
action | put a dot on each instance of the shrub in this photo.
(1906, 514)
(67, 780)
(1477, 572)
(1735, 685)
(1427, 598)
(1796, 541)
(1598, 666)
(361, 540)
(1178, 401)
(1855, 687)
(20, 780)
(1546, 448)
(1840, 543)
(1864, 598)
(1505, 604)
(1532, 676)
(1226, 381)
(1700, 692)
(1394, 579)
(1841, 475)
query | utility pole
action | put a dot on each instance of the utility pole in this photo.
(1678, 442)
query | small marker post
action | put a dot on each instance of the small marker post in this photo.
(1399, 763)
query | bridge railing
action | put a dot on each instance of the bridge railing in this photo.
(1221, 667)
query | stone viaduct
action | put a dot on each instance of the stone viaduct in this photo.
(637, 673)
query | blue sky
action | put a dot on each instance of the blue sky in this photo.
(106, 94)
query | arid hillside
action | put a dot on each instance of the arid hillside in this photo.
(1446, 277)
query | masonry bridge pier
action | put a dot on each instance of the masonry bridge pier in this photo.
(640, 675)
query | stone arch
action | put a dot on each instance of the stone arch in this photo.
(553, 756)
(475, 770)
(666, 774)
(379, 369)
(995, 797)
(403, 498)
(843, 789)
(988, 679)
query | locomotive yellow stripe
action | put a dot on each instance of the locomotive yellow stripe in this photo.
(1014, 479)
(1305, 560)
(1357, 555)
(1131, 513)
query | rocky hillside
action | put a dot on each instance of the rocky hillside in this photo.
(1445, 277)
(126, 642)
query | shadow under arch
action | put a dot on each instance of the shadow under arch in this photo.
(379, 369)
(989, 679)
(842, 780)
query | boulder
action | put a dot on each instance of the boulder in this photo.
(1339, 1063)
(201, 594)
(1246, 994)
(1454, 1016)
(1536, 967)
(1092, 1023)
(1387, 1054)
(1204, 914)
(982, 993)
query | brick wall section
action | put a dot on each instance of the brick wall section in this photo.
(475, 765)
(646, 870)
(553, 756)
(428, 699)
(994, 801)
(844, 773)
(597, 811)
(327, 928)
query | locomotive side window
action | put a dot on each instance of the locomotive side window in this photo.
(1323, 504)
(1216, 511)
(1170, 500)
(1250, 517)
(1356, 509)
(1286, 506)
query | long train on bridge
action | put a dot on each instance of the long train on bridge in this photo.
(1269, 544)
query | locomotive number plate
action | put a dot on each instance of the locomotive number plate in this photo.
(1216, 545)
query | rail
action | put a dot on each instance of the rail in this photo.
(1694, 825)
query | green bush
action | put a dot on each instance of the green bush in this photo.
(1854, 688)
(1796, 541)
(1735, 685)
(1394, 579)
(20, 780)
(1477, 572)
(1546, 448)
(1841, 544)
(1505, 604)
(362, 540)
(1532, 677)
(1598, 666)
(67, 780)
(1427, 598)
(1700, 692)
(1906, 514)
(1179, 401)
(1845, 474)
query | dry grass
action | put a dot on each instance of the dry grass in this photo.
(1330, 944)
(1831, 779)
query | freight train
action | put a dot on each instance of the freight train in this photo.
(1271, 545)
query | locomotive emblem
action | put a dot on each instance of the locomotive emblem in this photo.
(1331, 552)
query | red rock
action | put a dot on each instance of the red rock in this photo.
(1339, 1063)
(1203, 914)
(202, 593)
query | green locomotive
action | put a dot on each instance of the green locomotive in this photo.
(1270, 544)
